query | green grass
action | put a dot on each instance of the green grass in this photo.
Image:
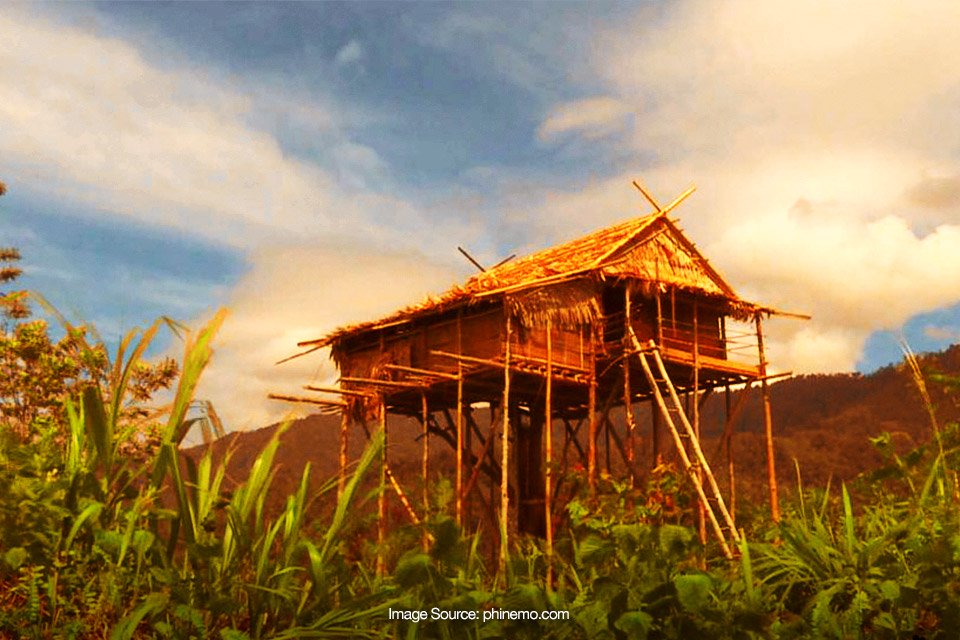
(96, 543)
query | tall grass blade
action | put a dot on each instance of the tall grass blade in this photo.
(198, 353)
(747, 568)
(371, 453)
(97, 426)
(848, 523)
(89, 512)
(121, 378)
(126, 629)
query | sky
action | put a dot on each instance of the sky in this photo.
(311, 165)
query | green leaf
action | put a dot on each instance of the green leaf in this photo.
(848, 523)
(15, 557)
(92, 510)
(127, 628)
(413, 569)
(98, 427)
(636, 624)
(890, 590)
(198, 353)
(674, 539)
(747, 569)
(693, 591)
(371, 453)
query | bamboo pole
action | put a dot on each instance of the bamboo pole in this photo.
(478, 465)
(654, 415)
(570, 437)
(768, 425)
(382, 495)
(505, 454)
(384, 383)
(655, 435)
(617, 441)
(401, 494)
(342, 458)
(419, 371)
(466, 512)
(548, 475)
(659, 320)
(318, 401)
(425, 464)
(519, 364)
(731, 478)
(673, 311)
(459, 471)
(606, 426)
(337, 390)
(592, 431)
(628, 396)
(493, 515)
(701, 507)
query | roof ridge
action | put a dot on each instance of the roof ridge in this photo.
(643, 221)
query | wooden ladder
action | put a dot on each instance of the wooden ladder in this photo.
(686, 439)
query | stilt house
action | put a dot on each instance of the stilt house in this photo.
(626, 314)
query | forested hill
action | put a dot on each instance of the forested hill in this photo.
(822, 421)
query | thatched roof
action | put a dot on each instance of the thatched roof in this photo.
(649, 252)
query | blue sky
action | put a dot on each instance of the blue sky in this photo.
(308, 165)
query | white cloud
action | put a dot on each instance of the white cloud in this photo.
(88, 119)
(295, 293)
(820, 137)
(591, 118)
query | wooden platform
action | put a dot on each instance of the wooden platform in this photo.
(709, 363)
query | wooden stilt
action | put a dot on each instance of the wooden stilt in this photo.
(425, 464)
(731, 476)
(673, 311)
(478, 465)
(701, 507)
(459, 454)
(592, 417)
(617, 441)
(654, 414)
(659, 320)
(606, 425)
(382, 495)
(655, 434)
(548, 475)
(342, 458)
(466, 512)
(768, 425)
(505, 454)
(570, 437)
(628, 396)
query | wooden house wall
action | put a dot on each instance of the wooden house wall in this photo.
(481, 336)
(678, 327)
(569, 347)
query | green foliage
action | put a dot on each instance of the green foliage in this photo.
(888, 570)
(90, 546)
(108, 530)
